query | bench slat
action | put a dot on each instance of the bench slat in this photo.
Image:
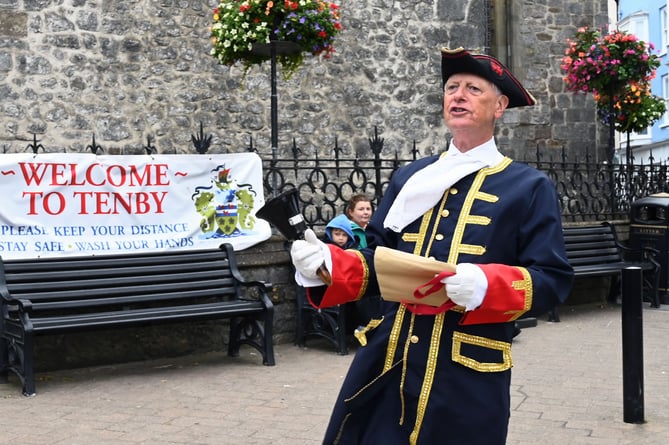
(130, 300)
(139, 286)
(147, 316)
(93, 271)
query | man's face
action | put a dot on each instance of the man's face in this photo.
(472, 102)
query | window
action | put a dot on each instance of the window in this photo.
(663, 30)
(637, 24)
(665, 95)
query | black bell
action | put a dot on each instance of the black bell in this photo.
(283, 212)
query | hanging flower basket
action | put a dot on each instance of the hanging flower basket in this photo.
(617, 69)
(634, 108)
(241, 28)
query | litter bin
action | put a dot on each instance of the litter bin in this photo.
(649, 227)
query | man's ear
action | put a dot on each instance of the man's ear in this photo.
(501, 104)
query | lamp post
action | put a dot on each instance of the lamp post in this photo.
(273, 49)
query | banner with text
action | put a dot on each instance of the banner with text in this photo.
(85, 204)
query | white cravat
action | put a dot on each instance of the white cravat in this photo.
(426, 187)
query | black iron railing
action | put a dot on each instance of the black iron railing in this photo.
(590, 191)
(587, 190)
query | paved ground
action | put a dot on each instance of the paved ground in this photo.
(567, 390)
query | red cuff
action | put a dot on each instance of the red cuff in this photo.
(350, 276)
(509, 295)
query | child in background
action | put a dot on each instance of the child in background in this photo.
(339, 232)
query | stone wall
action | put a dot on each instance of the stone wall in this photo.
(127, 70)
(537, 32)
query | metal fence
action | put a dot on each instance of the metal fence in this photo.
(588, 191)
(600, 191)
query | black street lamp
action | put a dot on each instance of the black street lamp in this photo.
(273, 49)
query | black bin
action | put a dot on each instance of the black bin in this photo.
(649, 227)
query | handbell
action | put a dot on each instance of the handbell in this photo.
(283, 212)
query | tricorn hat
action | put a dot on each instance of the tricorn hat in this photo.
(454, 61)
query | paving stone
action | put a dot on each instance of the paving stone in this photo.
(566, 390)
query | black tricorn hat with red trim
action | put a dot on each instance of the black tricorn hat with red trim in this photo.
(454, 61)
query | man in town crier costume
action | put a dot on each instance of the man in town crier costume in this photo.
(440, 374)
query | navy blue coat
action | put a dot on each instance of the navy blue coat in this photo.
(444, 379)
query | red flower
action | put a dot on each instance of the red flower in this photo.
(291, 5)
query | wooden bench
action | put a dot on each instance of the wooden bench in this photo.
(72, 294)
(595, 251)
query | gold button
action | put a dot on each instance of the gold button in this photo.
(444, 213)
(439, 237)
(453, 191)
(414, 339)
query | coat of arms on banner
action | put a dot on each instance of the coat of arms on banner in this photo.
(225, 206)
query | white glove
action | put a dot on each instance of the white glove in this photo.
(307, 256)
(467, 287)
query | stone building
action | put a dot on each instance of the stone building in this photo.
(129, 70)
